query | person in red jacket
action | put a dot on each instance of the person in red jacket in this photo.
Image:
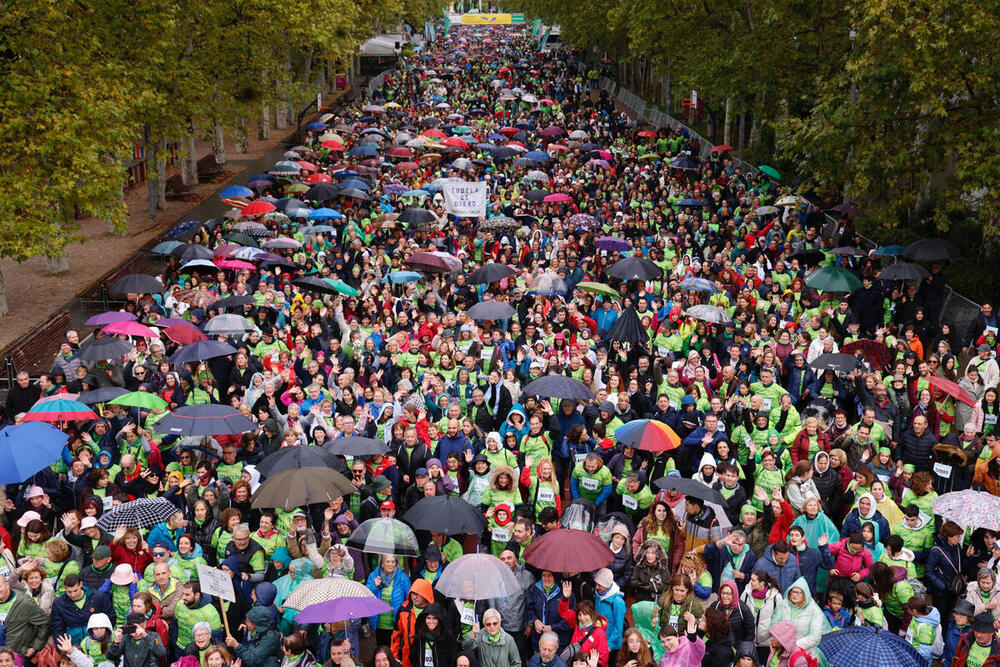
(851, 563)
(982, 640)
(809, 441)
(421, 594)
(588, 626)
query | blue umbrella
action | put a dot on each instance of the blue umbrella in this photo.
(325, 214)
(890, 250)
(320, 229)
(540, 156)
(398, 277)
(415, 193)
(201, 350)
(27, 448)
(690, 201)
(165, 248)
(496, 137)
(684, 163)
(262, 177)
(356, 183)
(698, 285)
(486, 147)
(865, 646)
(345, 173)
(313, 127)
(183, 228)
(235, 191)
(366, 150)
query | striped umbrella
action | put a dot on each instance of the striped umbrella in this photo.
(58, 410)
(648, 435)
(139, 513)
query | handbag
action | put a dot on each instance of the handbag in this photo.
(957, 585)
(574, 648)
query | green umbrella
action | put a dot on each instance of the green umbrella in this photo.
(599, 288)
(342, 287)
(648, 156)
(241, 239)
(297, 188)
(833, 279)
(141, 399)
(770, 171)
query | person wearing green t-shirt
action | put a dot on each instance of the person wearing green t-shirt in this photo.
(591, 479)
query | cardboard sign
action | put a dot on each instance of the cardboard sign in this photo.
(216, 582)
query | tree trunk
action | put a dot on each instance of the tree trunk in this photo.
(161, 174)
(218, 142)
(4, 307)
(112, 228)
(307, 64)
(725, 127)
(57, 263)
(152, 200)
(264, 123)
(189, 161)
(240, 138)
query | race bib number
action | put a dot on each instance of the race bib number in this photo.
(486, 354)
(578, 458)
(546, 495)
(662, 351)
(630, 502)
(766, 404)
(672, 620)
(501, 535)
(106, 502)
(990, 419)
(467, 614)
(589, 483)
(942, 470)
(428, 658)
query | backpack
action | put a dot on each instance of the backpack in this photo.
(810, 660)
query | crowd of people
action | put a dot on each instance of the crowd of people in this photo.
(827, 477)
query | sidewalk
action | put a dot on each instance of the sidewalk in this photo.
(33, 295)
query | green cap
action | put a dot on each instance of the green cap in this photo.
(910, 468)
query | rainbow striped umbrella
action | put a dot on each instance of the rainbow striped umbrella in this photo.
(58, 410)
(648, 435)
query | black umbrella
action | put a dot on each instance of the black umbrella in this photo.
(843, 363)
(102, 395)
(288, 458)
(445, 514)
(302, 486)
(356, 446)
(234, 301)
(558, 386)
(690, 487)
(354, 193)
(536, 195)
(417, 215)
(201, 350)
(208, 419)
(490, 273)
(101, 349)
(904, 271)
(491, 310)
(808, 257)
(322, 192)
(635, 268)
(931, 250)
(503, 153)
(137, 283)
(314, 284)
(190, 251)
(628, 329)
(292, 203)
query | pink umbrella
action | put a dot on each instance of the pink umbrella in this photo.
(57, 397)
(557, 197)
(130, 329)
(605, 155)
(308, 166)
(234, 264)
(226, 249)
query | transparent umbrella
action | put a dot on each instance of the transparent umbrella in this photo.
(384, 536)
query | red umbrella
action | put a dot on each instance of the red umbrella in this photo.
(400, 151)
(308, 166)
(558, 148)
(874, 352)
(319, 178)
(952, 389)
(435, 133)
(568, 550)
(648, 134)
(258, 208)
(723, 147)
(184, 334)
(407, 166)
(332, 145)
(456, 142)
(508, 131)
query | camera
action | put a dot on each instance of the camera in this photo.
(128, 629)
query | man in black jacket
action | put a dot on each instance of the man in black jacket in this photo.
(138, 647)
(917, 443)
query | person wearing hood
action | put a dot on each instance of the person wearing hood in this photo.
(621, 567)
(260, 641)
(924, 624)
(432, 643)
(609, 602)
(429, 566)
(799, 608)
(299, 570)
(500, 524)
(492, 645)
(502, 487)
(705, 474)
(390, 584)
(589, 627)
(742, 620)
(651, 573)
(800, 486)
(865, 511)
(746, 655)
(420, 596)
(270, 438)
(917, 533)
(264, 595)
(827, 481)
(516, 423)
(785, 650)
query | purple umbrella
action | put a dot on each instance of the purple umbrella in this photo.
(604, 164)
(613, 244)
(342, 609)
(109, 317)
(395, 189)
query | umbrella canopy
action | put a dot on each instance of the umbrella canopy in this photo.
(690, 487)
(27, 448)
(141, 399)
(969, 509)
(628, 328)
(832, 361)
(317, 591)
(558, 386)
(702, 285)
(648, 435)
(613, 244)
(931, 250)
(315, 284)
(288, 458)
(568, 550)
(400, 277)
(208, 419)
(434, 262)
(706, 313)
(109, 317)
(951, 388)
(599, 288)
(356, 446)
(102, 395)
(137, 283)
(833, 279)
(445, 514)
(58, 410)
(183, 334)
(770, 171)
(866, 646)
(384, 536)
(500, 224)
(128, 328)
(139, 513)
(417, 216)
(491, 310)
(201, 350)
(297, 487)
(874, 352)
(490, 272)
(548, 284)
(477, 577)
(343, 609)
(228, 324)
(635, 268)
(904, 271)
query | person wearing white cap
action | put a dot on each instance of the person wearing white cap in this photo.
(610, 603)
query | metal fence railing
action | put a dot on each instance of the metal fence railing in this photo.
(957, 309)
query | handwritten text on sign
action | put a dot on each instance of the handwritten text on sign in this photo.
(216, 582)
(465, 200)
